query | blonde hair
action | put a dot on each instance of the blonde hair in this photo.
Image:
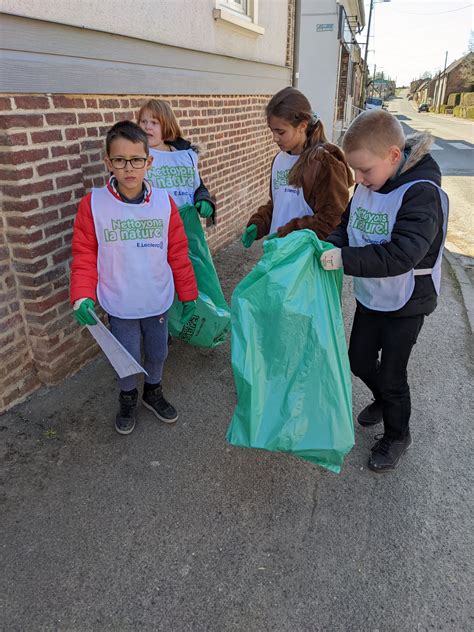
(376, 131)
(292, 106)
(161, 110)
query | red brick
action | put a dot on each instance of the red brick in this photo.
(63, 101)
(46, 136)
(65, 150)
(32, 102)
(90, 117)
(61, 118)
(21, 120)
(91, 103)
(60, 228)
(25, 238)
(52, 167)
(45, 248)
(109, 103)
(73, 133)
(68, 211)
(29, 267)
(31, 188)
(67, 181)
(29, 221)
(62, 255)
(5, 103)
(17, 206)
(20, 157)
(109, 117)
(75, 163)
(10, 140)
(41, 319)
(92, 144)
(92, 131)
(56, 198)
(39, 307)
(96, 169)
(12, 175)
(37, 280)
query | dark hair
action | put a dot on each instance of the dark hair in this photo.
(291, 105)
(128, 130)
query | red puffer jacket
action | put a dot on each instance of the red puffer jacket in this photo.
(84, 255)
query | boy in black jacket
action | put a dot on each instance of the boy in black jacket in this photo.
(390, 240)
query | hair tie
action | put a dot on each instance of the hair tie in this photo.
(315, 117)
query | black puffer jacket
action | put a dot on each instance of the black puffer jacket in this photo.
(416, 236)
(201, 194)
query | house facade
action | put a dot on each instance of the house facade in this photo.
(71, 70)
(328, 65)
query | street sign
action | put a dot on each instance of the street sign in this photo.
(324, 27)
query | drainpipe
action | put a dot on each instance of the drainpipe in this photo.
(296, 44)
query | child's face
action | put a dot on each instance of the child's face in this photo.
(129, 178)
(151, 125)
(370, 169)
(287, 137)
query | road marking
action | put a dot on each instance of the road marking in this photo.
(460, 146)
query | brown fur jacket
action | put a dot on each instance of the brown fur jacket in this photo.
(326, 190)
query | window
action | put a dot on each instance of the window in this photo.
(240, 15)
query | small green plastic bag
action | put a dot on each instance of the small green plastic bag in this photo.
(210, 323)
(289, 355)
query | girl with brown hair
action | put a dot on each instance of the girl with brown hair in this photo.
(310, 178)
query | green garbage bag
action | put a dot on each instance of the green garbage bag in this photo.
(210, 323)
(289, 355)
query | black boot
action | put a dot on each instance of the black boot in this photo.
(125, 419)
(371, 415)
(153, 400)
(386, 453)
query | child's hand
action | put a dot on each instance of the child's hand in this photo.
(249, 236)
(81, 311)
(331, 259)
(187, 313)
(204, 208)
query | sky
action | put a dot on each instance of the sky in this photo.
(409, 37)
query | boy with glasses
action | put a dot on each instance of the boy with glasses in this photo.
(130, 254)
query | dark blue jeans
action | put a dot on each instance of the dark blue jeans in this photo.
(385, 376)
(154, 332)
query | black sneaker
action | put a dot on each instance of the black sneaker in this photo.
(125, 419)
(371, 415)
(153, 400)
(386, 453)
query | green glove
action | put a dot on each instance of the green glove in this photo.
(81, 311)
(187, 313)
(204, 208)
(249, 236)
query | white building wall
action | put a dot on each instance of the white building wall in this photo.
(181, 23)
(319, 57)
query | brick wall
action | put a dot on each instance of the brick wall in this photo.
(51, 153)
(290, 40)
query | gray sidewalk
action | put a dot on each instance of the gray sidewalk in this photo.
(171, 529)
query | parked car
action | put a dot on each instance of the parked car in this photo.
(424, 107)
(373, 103)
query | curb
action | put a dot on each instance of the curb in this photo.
(467, 289)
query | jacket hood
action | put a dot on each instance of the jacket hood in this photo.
(181, 144)
(419, 164)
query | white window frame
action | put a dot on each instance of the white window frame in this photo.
(239, 16)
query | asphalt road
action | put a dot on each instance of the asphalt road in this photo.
(454, 152)
(170, 529)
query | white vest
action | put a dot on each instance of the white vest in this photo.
(371, 221)
(135, 279)
(288, 201)
(176, 172)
